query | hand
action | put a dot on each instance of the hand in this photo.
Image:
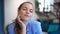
(21, 26)
(20, 22)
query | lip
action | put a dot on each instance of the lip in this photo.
(26, 15)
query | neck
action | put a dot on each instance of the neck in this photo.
(25, 22)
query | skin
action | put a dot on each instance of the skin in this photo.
(24, 14)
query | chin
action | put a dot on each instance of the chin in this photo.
(26, 19)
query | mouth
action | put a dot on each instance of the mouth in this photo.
(26, 15)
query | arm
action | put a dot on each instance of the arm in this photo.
(23, 30)
(21, 25)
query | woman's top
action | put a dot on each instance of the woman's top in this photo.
(33, 27)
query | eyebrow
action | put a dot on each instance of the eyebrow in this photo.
(26, 7)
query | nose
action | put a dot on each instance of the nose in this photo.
(27, 12)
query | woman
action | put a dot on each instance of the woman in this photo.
(23, 23)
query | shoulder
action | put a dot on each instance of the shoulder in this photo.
(36, 26)
(12, 25)
(34, 22)
(11, 28)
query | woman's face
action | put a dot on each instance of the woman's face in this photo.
(26, 11)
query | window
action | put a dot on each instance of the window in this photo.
(46, 5)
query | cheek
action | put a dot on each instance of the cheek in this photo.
(31, 14)
(21, 13)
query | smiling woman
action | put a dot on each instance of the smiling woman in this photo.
(23, 23)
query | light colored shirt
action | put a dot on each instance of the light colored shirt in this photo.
(33, 27)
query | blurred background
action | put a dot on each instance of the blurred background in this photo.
(45, 11)
(48, 12)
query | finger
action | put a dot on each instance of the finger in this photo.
(19, 19)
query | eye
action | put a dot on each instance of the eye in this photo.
(31, 10)
(25, 9)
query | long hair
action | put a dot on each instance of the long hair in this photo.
(18, 27)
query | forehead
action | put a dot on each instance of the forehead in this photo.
(28, 5)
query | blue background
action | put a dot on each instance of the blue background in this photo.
(1, 16)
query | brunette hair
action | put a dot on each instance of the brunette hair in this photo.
(18, 27)
(23, 4)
